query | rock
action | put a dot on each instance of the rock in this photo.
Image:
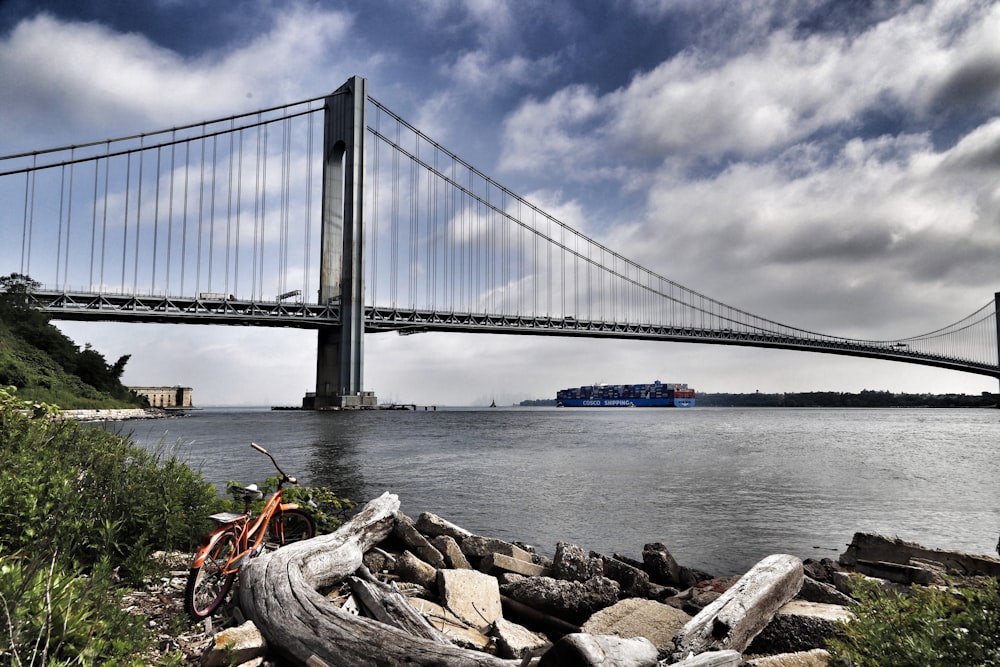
(817, 591)
(412, 569)
(733, 620)
(660, 565)
(453, 556)
(497, 564)
(570, 600)
(799, 626)
(476, 546)
(821, 570)
(407, 532)
(516, 641)
(377, 560)
(432, 525)
(574, 564)
(233, 646)
(451, 626)
(635, 617)
(815, 658)
(875, 548)
(583, 650)
(472, 596)
(706, 592)
(712, 659)
(900, 574)
(633, 582)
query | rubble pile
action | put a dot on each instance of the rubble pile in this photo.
(582, 608)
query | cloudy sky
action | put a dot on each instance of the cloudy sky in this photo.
(832, 165)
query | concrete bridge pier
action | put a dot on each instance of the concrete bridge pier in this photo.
(340, 355)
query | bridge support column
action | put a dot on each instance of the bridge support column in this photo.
(340, 355)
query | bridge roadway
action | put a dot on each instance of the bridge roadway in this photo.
(231, 311)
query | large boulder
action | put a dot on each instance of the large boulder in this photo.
(635, 617)
(570, 600)
(799, 626)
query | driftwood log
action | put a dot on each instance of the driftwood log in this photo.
(280, 593)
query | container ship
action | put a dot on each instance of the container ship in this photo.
(655, 395)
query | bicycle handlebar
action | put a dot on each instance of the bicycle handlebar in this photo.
(277, 467)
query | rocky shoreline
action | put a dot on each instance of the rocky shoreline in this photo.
(115, 414)
(582, 608)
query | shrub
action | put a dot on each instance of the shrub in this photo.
(925, 627)
(89, 495)
(328, 511)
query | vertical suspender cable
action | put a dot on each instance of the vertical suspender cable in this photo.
(211, 210)
(62, 187)
(93, 225)
(184, 217)
(104, 221)
(156, 221)
(308, 212)
(69, 218)
(128, 192)
(170, 208)
(201, 213)
(138, 220)
(239, 212)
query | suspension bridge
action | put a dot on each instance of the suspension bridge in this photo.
(336, 214)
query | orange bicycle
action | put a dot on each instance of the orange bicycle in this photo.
(242, 536)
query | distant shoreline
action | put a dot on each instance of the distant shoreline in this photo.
(114, 414)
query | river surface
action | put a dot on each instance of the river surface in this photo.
(720, 487)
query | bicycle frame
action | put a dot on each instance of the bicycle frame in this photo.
(245, 531)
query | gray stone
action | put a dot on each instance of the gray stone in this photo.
(799, 626)
(661, 565)
(634, 583)
(408, 534)
(472, 596)
(898, 573)
(733, 620)
(635, 617)
(432, 525)
(574, 564)
(817, 591)
(412, 569)
(570, 600)
(477, 546)
(233, 646)
(874, 548)
(453, 556)
(516, 641)
(583, 650)
(497, 564)
(451, 626)
(815, 658)
(727, 658)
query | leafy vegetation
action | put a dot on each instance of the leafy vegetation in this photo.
(921, 627)
(48, 367)
(83, 508)
(328, 511)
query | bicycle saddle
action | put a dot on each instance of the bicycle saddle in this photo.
(250, 491)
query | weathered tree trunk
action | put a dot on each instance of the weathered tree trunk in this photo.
(735, 618)
(279, 592)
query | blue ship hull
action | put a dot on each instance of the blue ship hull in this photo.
(625, 402)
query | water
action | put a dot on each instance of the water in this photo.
(721, 487)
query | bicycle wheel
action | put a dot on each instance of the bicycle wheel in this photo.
(208, 584)
(290, 526)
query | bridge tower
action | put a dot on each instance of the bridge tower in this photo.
(340, 357)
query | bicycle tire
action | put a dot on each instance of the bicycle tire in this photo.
(289, 527)
(207, 584)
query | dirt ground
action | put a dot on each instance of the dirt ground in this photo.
(161, 604)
